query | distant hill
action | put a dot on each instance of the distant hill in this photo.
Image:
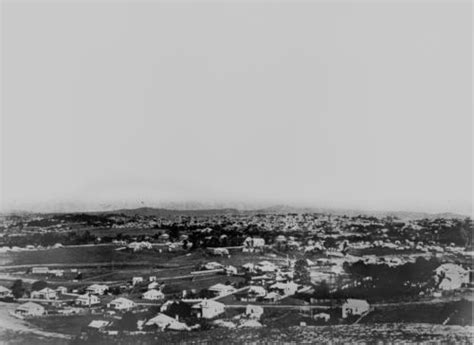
(162, 212)
(278, 209)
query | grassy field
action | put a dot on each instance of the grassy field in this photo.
(341, 334)
(455, 313)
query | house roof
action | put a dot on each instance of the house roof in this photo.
(4, 289)
(220, 287)
(207, 303)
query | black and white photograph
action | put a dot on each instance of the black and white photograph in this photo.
(236, 172)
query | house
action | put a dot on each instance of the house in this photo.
(285, 289)
(266, 266)
(5, 292)
(231, 270)
(208, 309)
(137, 246)
(252, 244)
(322, 317)
(152, 278)
(45, 293)
(57, 273)
(218, 251)
(253, 311)
(451, 276)
(153, 285)
(165, 322)
(272, 297)
(97, 289)
(253, 293)
(354, 307)
(221, 289)
(121, 303)
(212, 266)
(61, 290)
(153, 295)
(40, 270)
(98, 324)
(137, 280)
(30, 309)
(87, 300)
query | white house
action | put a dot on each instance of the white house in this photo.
(231, 270)
(288, 288)
(153, 285)
(61, 290)
(218, 251)
(5, 292)
(253, 311)
(322, 317)
(121, 303)
(87, 300)
(208, 309)
(45, 293)
(40, 270)
(253, 243)
(97, 289)
(451, 276)
(98, 324)
(153, 295)
(163, 322)
(272, 297)
(212, 266)
(354, 307)
(266, 266)
(137, 280)
(221, 289)
(30, 309)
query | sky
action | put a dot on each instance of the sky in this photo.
(328, 104)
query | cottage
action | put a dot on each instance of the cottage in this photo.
(208, 309)
(354, 307)
(266, 266)
(40, 270)
(212, 266)
(137, 280)
(253, 293)
(165, 322)
(153, 285)
(322, 317)
(285, 289)
(97, 289)
(5, 292)
(30, 309)
(121, 303)
(253, 311)
(218, 251)
(221, 289)
(98, 324)
(45, 293)
(451, 276)
(61, 290)
(272, 297)
(87, 300)
(231, 270)
(153, 295)
(252, 244)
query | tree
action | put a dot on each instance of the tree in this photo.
(38, 285)
(18, 289)
(128, 322)
(302, 272)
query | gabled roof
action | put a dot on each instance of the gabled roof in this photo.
(207, 303)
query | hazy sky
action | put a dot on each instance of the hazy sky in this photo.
(325, 103)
